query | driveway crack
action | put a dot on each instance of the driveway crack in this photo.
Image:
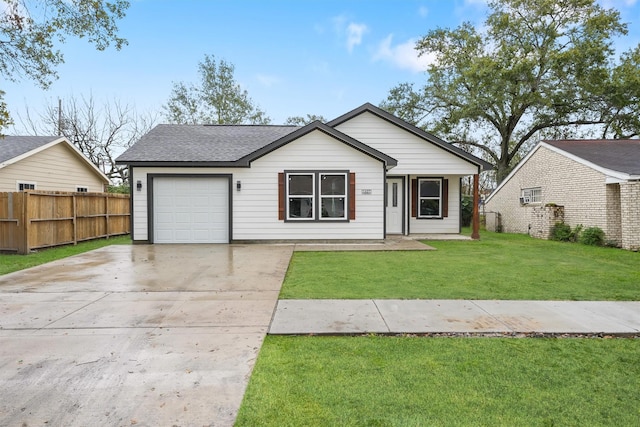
(106, 294)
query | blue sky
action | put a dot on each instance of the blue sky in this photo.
(294, 57)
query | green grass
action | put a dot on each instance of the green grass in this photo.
(393, 381)
(499, 266)
(11, 262)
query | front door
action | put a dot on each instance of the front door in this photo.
(395, 204)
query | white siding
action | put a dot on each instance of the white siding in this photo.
(448, 225)
(414, 155)
(55, 169)
(255, 206)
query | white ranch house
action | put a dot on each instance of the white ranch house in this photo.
(362, 176)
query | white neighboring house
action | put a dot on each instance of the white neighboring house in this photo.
(47, 163)
(596, 182)
(362, 176)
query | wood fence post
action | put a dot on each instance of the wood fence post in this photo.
(75, 220)
(21, 210)
(106, 211)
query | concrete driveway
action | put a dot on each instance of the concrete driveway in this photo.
(145, 335)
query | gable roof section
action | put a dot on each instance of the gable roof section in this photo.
(620, 155)
(16, 148)
(598, 154)
(200, 145)
(317, 125)
(225, 145)
(482, 165)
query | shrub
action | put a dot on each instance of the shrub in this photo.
(592, 236)
(467, 210)
(563, 233)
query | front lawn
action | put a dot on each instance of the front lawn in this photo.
(499, 266)
(12, 262)
(399, 381)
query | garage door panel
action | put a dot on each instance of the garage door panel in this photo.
(191, 210)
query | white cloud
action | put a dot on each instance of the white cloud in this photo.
(423, 11)
(266, 80)
(349, 30)
(403, 55)
(354, 34)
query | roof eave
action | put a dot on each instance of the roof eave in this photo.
(183, 164)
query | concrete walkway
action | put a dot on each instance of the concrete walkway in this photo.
(455, 316)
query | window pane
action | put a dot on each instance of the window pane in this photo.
(395, 194)
(301, 185)
(300, 207)
(332, 185)
(333, 207)
(430, 188)
(429, 207)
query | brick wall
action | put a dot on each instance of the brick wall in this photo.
(578, 188)
(543, 219)
(630, 213)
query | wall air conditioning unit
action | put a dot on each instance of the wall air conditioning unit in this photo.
(525, 200)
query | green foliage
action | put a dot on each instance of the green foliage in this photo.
(498, 266)
(467, 210)
(119, 189)
(414, 381)
(217, 99)
(301, 121)
(593, 236)
(562, 232)
(537, 69)
(31, 29)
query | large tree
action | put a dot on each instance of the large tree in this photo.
(101, 131)
(216, 99)
(31, 29)
(302, 120)
(536, 69)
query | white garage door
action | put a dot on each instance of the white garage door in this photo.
(190, 210)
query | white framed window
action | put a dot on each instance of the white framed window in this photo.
(429, 198)
(81, 189)
(333, 195)
(300, 196)
(531, 195)
(317, 196)
(25, 185)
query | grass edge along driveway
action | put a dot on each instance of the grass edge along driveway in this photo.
(13, 262)
(498, 266)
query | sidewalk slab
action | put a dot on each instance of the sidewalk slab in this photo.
(455, 316)
(426, 316)
(326, 317)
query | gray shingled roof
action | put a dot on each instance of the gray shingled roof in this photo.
(14, 146)
(618, 155)
(202, 143)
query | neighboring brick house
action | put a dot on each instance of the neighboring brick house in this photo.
(595, 182)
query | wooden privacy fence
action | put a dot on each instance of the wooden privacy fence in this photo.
(34, 219)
